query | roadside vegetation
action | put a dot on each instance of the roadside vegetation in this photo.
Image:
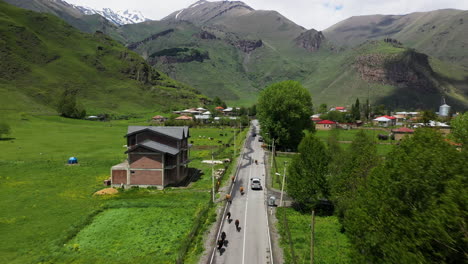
(49, 213)
(331, 245)
(416, 184)
(405, 203)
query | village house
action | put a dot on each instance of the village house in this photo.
(401, 132)
(325, 125)
(385, 121)
(184, 118)
(156, 157)
(341, 109)
(159, 119)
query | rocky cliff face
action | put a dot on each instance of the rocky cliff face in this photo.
(247, 46)
(135, 45)
(311, 40)
(408, 69)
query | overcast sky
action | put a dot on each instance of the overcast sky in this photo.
(317, 14)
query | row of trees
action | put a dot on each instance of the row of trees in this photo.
(408, 208)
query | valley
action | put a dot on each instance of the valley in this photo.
(170, 120)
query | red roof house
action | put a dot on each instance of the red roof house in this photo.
(401, 132)
(325, 125)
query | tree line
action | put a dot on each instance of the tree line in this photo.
(409, 207)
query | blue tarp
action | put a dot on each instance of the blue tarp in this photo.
(72, 160)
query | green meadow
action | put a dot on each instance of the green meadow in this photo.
(49, 213)
(331, 246)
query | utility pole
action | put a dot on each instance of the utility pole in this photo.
(312, 239)
(235, 127)
(212, 176)
(272, 156)
(282, 186)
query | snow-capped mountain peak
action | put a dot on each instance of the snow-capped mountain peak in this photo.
(117, 17)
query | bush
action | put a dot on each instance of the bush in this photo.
(67, 106)
(4, 129)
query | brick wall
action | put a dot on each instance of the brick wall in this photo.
(145, 161)
(119, 176)
(145, 177)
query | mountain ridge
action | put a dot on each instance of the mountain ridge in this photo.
(43, 57)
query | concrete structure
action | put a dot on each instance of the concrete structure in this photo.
(325, 125)
(157, 156)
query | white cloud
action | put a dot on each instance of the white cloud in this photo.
(318, 14)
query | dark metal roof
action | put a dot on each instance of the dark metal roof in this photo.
(155, 146)
(179, 132)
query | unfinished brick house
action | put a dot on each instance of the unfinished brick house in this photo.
(156, 156)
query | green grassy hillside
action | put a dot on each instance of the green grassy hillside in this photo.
(42, 57)
(85, 23)
(439, 33)
(388, 74)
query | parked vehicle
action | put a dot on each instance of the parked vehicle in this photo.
(255, 184)
(260, 139)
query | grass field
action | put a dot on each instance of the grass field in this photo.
(50, 215)
(331, 246)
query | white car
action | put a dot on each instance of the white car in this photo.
(255, 184)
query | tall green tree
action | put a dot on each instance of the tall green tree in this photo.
(413, 208)
(307, 173)
(356, 110)
(428, 115)
(336, 116)
(352, 171)
(284, 111)
(367, 109)
(218, 102)
(68, 107)
(460, 129)
(323, 108)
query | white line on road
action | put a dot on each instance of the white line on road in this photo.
(246, 210)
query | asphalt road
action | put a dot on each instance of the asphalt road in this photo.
(251, 242)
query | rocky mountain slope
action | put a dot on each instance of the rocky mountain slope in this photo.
(42, 57)
(439, 33)
(119, 18)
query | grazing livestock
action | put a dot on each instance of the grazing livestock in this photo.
(223, 235)
(220, 244)
(237, 225)
(241, 189)
(228, 215)
(382, 137)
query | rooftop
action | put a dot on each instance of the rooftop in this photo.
(155, 146)
(403, 130)
(179, 132)
(327, 122)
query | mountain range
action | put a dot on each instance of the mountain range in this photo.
(230, 50)
(42, 57)
(119, 18)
